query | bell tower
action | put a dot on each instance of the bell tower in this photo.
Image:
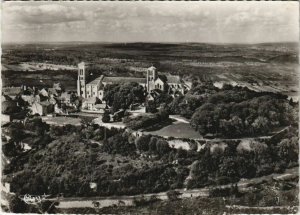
(81, 81)
(151, 76)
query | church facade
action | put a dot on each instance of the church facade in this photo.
(152, 81)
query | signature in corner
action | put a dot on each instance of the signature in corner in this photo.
(33, 199)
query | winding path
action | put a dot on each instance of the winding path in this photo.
(100, 202)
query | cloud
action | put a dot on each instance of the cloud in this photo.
(41, 14)
(151, 21)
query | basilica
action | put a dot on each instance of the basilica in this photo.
(171, 83)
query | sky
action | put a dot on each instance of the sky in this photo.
(205, 22)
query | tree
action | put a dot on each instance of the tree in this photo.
(261, 125)
(162, 147)
(142, 143)
(152, 144)
(16, 132)
(16, 205)
(106, 117)
(11, 149)
(48, 206)
(204, 121)
(118, 144)
(173, 195)
(228, 167)
(121, 96)
(288, 149)
(151, 107)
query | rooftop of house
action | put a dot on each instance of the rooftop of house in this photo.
(5, 98)
(102, 106)
(44, 103)
(8, 103)
(44, 92)
(28, 98)
(65, 95)
(11, 90)
(52, 91)
(52, 100)
(57, 85)
(189, 84)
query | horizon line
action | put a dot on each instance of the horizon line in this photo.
(146, 42)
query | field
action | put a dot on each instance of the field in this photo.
(271, 67)
(61, 121)
(29, 66)
(177, 130)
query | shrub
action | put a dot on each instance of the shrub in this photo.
(106, 117)
(173, 195)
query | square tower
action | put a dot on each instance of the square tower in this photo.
(151, 76)
(81, 81)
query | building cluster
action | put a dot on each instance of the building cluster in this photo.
(43, 102)
(89, 96)
(93, 91)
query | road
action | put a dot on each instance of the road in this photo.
(100, 202)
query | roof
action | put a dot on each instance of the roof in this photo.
(44, 92)
(56, 85)
(81, 63)
(96, 81)
(91, 100)
(163, 78)
(52, 101)
(173, 79)
(28, 98)
(124, 79)
(52, 91)
(11, 90)
(5, 98)
(192, 96)
(66, 95)
(103, 106)
(151, 68)
(188, 84)
(6, 104)
(45, 103)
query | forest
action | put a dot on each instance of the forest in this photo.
(233, 112)
(67, 159)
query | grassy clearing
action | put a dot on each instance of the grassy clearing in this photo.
(61, 120)
(178, 130)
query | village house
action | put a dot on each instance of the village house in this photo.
(28, 98)
(44, 92)
(53, 92)
(12, 92)
(90, 103)
(8, 108)
(53, 100)
(66, 98)
(42, 108)
(58, 87)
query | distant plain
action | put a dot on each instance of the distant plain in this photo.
(263, 67)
